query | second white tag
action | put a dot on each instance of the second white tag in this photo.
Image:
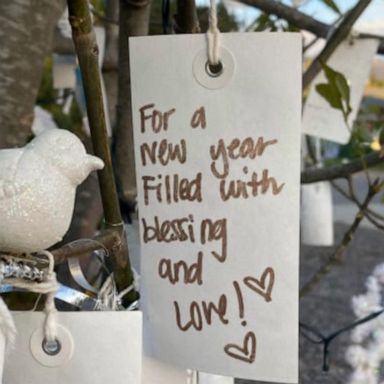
(95, 348)
(354, 61)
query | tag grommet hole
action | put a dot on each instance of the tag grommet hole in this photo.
(51, 348)
(213, 76)
(214, 70)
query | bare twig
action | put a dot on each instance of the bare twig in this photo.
(295, 17)
(317, 38)
(370, 215)
(290, 14)
(338, 255)
(109, 240)
(313, 175)
(351, 189)
(110, 66)
(111, 44)
(339, 35)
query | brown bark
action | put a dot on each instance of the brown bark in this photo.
(108, 239)
(88, 208)
(339, 171)
(111, 57)
(133, 21)
(87, 52)
(112, 35)
(339, 254)
(25, 39)
(186, 20)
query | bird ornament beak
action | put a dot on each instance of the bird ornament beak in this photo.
(94, 163)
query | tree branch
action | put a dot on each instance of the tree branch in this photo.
(110, 64)
(295, 17)
(292, 15)
(186, 20)
(133, 21)
(109, 240)
(369, 214)
(340, 34)
(338, 256)
(112, 36)
(87, 52)
(313, 175)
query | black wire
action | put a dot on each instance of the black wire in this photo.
(166, 8)
(308, 332)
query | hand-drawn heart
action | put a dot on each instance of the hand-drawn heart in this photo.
(263, 286)
(247, 352)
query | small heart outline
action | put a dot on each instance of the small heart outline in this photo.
(259, 286)
(246, 353)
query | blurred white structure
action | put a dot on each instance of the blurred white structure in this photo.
(317, 214)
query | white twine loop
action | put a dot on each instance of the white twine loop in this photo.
(213, 35)
(50, 326)
(7, 325)
(49, 287)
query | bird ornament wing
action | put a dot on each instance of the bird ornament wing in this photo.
(9, 160)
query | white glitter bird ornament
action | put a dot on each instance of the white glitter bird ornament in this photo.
(37, 189)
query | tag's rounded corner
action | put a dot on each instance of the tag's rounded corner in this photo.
(209, 80)
(60, 358)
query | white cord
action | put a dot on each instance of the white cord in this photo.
(49, 287)
(50, 327)
(213, 35)
(7, 325)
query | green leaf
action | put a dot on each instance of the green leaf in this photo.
(331, 4)
(338, 92)
(343, 87)
(363, 135)
(330, 94)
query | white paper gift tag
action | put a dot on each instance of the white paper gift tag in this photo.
(96, 348)
(218, 168)
(354, 60)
